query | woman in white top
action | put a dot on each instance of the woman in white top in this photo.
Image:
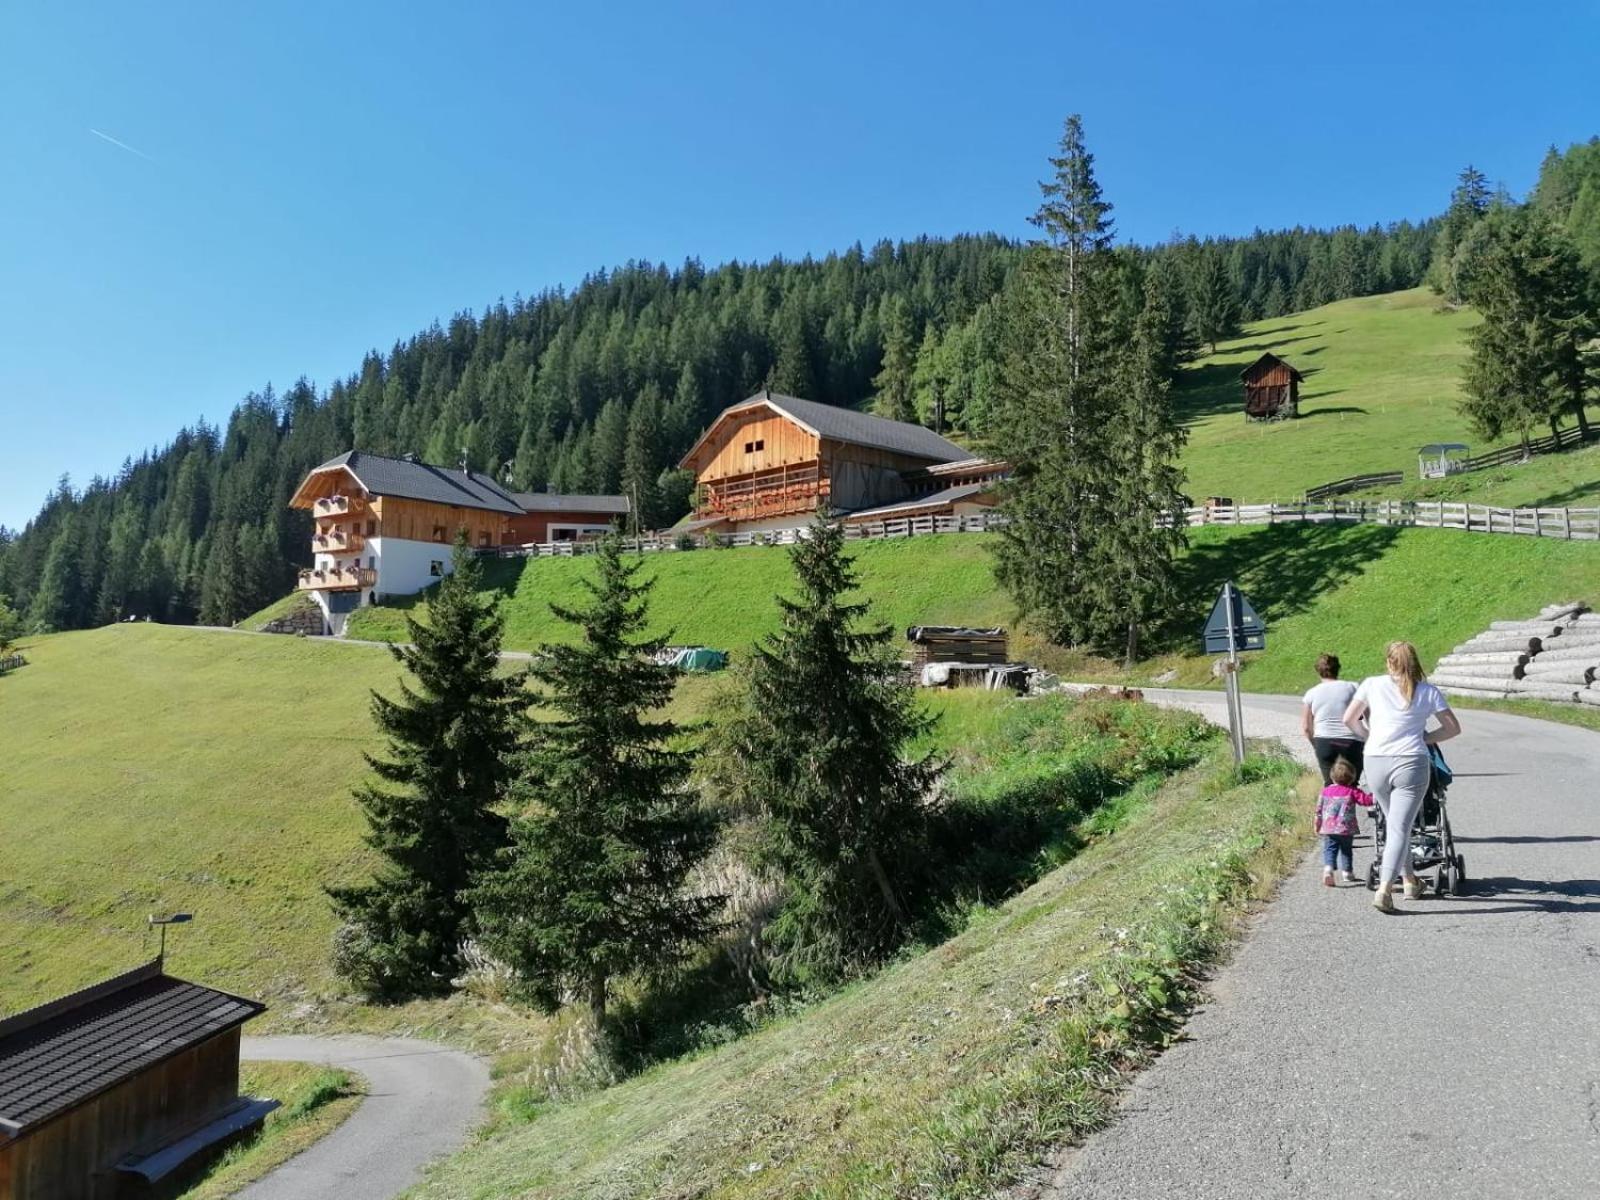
(1322, 719)
(1391, 713)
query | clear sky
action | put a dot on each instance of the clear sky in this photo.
(199, 198)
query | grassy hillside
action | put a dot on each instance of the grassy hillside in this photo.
(1383, 374)
(724, 598)
(1345, 588)
(150, 768)
(946, 1073)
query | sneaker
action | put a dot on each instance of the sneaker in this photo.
(1327, 877)
(1347, 877)
(1382, 901)
(1414, 888)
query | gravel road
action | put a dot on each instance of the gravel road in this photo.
(1450, 1050)
(422, 1101)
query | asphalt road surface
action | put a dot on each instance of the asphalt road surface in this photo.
(1450, 1050)
(422, 1101)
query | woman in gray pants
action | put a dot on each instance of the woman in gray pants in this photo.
(1391, 713)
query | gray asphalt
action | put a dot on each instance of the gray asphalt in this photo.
(1450, 1050)
(422, 1102)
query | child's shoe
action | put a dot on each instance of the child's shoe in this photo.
(1327, 876)
(1347, 877)
(1414, 888)
(1382, 901)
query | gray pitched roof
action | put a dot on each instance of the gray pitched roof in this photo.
(860, 429)
(552, 502)
(422, 481)
(59, 1055)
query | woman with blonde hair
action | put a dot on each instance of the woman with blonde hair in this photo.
(1390, 712)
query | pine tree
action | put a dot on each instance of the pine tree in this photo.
(10, 624)
(893, 380)
(1056, 404)
(1213, 302)
(59, 598)
(433, 817)
(642, 461)
(821, 747)
(1148, 531)
(591, 886)
(1529, 360)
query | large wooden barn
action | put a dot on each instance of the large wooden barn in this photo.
(1271, 389)
(122, 1086)
(771, 461)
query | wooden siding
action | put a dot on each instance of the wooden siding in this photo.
(336, 482)
(73, 1156)
(535, 526)
(1276, 373)
(418, 519)
(783, 444)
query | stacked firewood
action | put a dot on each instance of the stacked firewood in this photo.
(1554, 656)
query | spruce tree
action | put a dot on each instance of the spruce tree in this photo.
(1148, 529)
(10, 624)
(642, 462)
(822, 747)
(1213, 302)
(893, 382)
(1056, 407)
(591, 886)
(434, 815)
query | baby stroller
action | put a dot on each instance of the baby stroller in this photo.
(1433, 847)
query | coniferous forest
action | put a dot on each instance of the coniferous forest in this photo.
(603, 387)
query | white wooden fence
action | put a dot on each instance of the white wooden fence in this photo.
(1572, 524)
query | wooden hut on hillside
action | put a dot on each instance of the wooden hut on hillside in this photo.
(1271, 389)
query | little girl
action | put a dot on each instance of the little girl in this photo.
(1336, 819)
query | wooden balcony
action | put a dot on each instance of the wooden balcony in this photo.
(333, 579)
(337, 541)
(338, 506)
(776, 493)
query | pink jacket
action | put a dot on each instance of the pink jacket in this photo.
(1336, 809)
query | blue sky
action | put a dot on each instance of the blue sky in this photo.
(300, 182)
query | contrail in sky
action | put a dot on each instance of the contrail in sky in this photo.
(122, 145)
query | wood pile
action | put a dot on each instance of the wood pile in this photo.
(957, 644)
(1554, 656)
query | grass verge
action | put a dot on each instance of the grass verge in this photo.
(316, 1101)
(947, 1074)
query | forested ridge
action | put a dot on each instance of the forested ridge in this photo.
(602, 388)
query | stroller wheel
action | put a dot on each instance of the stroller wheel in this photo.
(1441, 881)
(1458, 875)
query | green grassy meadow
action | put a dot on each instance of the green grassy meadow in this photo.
(724, 598)
(1383, 374)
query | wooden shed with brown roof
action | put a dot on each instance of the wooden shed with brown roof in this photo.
(1271, 389)
(121, 1086)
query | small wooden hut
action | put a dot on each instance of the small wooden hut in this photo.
(124, 1086)
(1271, 389)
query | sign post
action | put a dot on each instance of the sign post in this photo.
(1234, 625)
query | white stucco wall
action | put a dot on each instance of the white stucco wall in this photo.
(405, 566)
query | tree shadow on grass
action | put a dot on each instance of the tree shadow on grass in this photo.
(1283, 569)
(1589, 491)
(1207, 390)
(1332, 410)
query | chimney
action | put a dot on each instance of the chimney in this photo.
(464, 469)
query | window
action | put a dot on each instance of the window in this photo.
(372, 563)
(438, 533)
(372, 528)
(436, 568)
(483, 538)
(761, 443)
(758, 444)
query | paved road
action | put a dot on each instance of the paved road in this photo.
(422, 1101)
(1451, 1050)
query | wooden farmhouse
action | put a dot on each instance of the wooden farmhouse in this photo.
(1271, 389)
(384, 526)
(771, 461)
(121, 1088)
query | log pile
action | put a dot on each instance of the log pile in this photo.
(1554, 656)
(957, 644)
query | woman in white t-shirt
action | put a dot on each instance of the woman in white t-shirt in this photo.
(1391, 713)
(1322, 719)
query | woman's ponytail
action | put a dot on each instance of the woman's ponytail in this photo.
(1405, 668)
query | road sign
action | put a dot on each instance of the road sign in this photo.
(1234, 625)
(1249, 631)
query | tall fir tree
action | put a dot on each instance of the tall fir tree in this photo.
(1057, 404)
(822, 746)
(893, 382)
(1530, 359)
(1213, 302)
(434, 816)
(643, 462)
(1149, 530)
(592, 884)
